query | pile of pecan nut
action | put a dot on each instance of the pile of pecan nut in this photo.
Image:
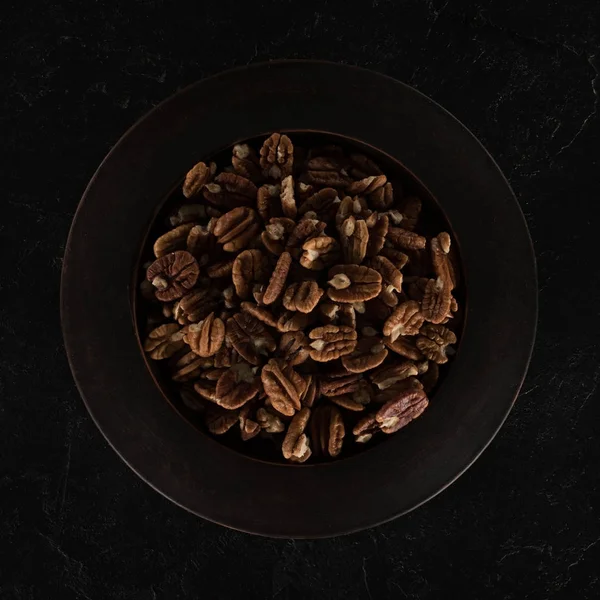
(294, 298)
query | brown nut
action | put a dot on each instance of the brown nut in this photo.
(354, 237)
(269, 421)
(207, 337)
(267, 201)
(437, 299)
(397, 258)
(397, 413)
(175, 239)
(411, 209)
(292, 321)
(206, 389)
(440, 248)
(324, 203)
(328, 178)
(276, 233)
(164, 341)
(249, 266)
(382, 198)
(311, 393)
(288, 201)
(173, 275)
(378, 226)
(264, 315)
(249, 428)
(195, 306)
(220, 269)
(197, 177)
(365, 428)
(386, 376)
(293, 348)
(353, 283)
(230, 190)
(389, 273)
(319, 252)
(283, 386)
(404, 347)
(333, 385)
(303, 231)
(327, 431)
(349, 207)
(435, 341)
(367, 185)
(331, 342)
(405, 320)
(218, 420)
(277, 156)
(189, 367)
(303, 296)
(236, 386)
(296, 445)
(368, 354)
(245, 162)
(357, 400)
(235, 229)
(249, 337)
(404, 239)
(278, 278)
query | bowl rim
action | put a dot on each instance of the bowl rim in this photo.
(77, 287)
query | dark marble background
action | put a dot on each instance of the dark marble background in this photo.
(76, 523)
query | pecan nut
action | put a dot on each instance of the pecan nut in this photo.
(437, 300)
(296, 445)
(206, 338)
(249, 266)
(405, 239)
(435, 342)
(354, 238)
(235, 229)
(368, 354)
(303, 296)
(405, 320)
(277, 156)
(249, 337)
(283, 386)
(386, 376)
(278, 278)
(328, 431)
(164, 341)
(319, 252)
(197, 177)
(176, 239)
(218, 420)
(230, 190)
(236, 386)
(353, 283)
(293, 348)
(269, 421)
(173, 275)
(400, 411)
(331, 342)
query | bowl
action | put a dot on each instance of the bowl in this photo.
(100, 276)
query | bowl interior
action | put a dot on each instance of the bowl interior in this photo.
(432, 221)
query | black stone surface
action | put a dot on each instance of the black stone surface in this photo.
(523, 522)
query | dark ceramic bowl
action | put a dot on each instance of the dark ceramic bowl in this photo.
(130, 405)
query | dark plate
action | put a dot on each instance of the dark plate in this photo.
(194, 470)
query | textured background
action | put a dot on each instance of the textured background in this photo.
(75, 523)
